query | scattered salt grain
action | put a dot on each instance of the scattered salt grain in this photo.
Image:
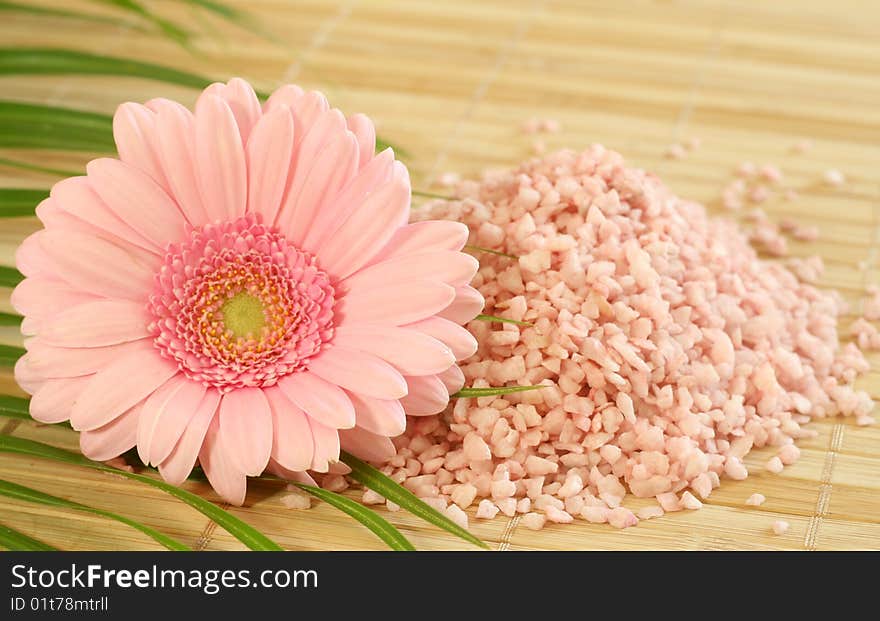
(689, 501)
(779, 527)
(649, 512)
(372, 498)
(486, 510)
(296, 500)
(676, 151)
(802, 146)
(755, 500)
(533, 521)
(775, 465)
(833, 177)
(454, 513)
(558, 515)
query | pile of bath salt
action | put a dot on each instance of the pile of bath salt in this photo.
(668, 350)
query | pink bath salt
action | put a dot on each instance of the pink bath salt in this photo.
(437, 503)
(759, 194)
(120, 464)
(676, 151)
(486, 510)
(558, 516)
(755, 500)
(595, 515)
(833, 177)
(573, 485)
(771, 173)
(865, 420)
(537, 466)
(622, 517)
(533, 521)
(789, 454)
(650, 512)
(693, 143)
(775, 465)
(334, 483)
(669, 502)
(372, 498)
(449, 179)
(550, 125)
(806, 233)
(503, 489)
(689, 501)
(296, 500)
(454, 513)
(735, 469)
(779, 527)
(746, 169)
(475, 448)
(802, 146)
(463, 495)
(524, 505)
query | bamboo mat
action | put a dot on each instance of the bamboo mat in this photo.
(451, 83)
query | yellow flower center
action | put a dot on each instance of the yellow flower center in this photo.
(244, 315)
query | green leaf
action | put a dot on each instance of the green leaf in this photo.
(490, 251)
(9, 355)
(235, 16)
(372, 520)
(19, 542)
(8, 319)
(20, 492)
(368, 476)
(9, 276)
(14, 407)
(170, 30)
(58, 172)
(248, 535)
(48, 61)
(24, 125)
(18, 202)
(44, 11)
(491, 392)
(501, 320)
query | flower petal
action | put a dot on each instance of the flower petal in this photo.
(428, 236)
(334, 166)
(178, 465)
(41, 297)
(171, 419)
(269, 150)
(365, 132)
(55, 398)
(380, 416)
(289, 475)
(326, 446)
(367, 446)
(114, 438)
(369, 227)
(243, 102)
(321, 400)
(246, 429)
(225, 477)
(453, 268)
(136, 137)
(137, 200)
(292, 444)
(77, 199)
(390, 305)
(452, 378)
(50, 361)
(409, 351)
(220, 160)
(457, 338)
(96, 266)
(98, 323)
(119, 386)
(176, 129)
(468, 304)
(309, 148)
(30, 258)
(28, 379)
(369, 179)
(427, 395)
(359, 372)
(286, 95)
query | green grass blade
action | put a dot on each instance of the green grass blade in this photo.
(9, 354)
(9, 276)
(15, 541)
(248, 535)
(490, 251)
(45, 11)
(24, 125)
(501, 320)
(235, 16)
(20, 492)
(171, 30)
(8, 319)
(48, 61)
(491, 391)
(58, 172)
(14, 407)
(18, 202)
(372, 520)
(370, 477)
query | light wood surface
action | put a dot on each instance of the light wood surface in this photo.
(451, 83)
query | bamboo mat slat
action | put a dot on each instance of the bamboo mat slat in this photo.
(451, 83)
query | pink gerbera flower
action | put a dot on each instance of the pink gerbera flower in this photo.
(241, 288)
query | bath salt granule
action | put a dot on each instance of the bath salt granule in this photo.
(755, 500)
(779, 527)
